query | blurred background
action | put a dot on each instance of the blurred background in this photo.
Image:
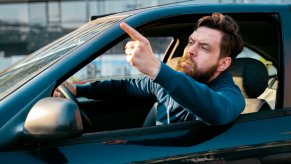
(27, 25)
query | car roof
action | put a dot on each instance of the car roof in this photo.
(208, 8)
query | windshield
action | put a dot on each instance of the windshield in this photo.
(21, 72)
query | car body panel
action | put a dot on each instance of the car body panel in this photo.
(260, 139)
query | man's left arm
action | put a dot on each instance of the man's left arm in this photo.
(215, 107)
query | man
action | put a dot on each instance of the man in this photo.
(200, 89)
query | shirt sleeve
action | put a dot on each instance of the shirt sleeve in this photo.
(124, 88)
(219, 106)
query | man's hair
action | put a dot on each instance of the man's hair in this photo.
(231, 42)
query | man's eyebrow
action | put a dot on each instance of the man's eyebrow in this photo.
(204, 43)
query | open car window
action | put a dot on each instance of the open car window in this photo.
(121, 114)
(113, 63)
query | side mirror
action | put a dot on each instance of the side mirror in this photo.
(53, 118)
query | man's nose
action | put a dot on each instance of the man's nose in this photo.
(193, 49)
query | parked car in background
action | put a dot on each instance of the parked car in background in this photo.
(38, 128)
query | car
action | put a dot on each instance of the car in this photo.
(36, 127)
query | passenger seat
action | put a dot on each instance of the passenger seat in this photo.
(252, 78)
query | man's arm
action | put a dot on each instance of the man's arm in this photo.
(111, 89)
(139, 53)
(215, 107)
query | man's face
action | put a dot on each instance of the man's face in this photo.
(201, 56)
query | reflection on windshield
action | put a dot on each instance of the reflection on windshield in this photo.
(24, 70)
(54, 54)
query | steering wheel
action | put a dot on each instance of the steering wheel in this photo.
(87, 123)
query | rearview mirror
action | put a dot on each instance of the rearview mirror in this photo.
(53, 118)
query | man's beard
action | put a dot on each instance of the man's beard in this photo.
(187, 66)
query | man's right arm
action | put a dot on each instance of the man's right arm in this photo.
(111, 89)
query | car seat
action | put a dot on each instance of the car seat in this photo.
(251, 76)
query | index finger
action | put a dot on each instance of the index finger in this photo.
(135, 35)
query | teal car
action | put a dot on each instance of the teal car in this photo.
(38, 128)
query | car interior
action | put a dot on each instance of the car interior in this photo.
(258, 83)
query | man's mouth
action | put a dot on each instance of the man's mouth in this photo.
(187, 67)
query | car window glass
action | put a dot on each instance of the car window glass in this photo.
(22, 71)
(113, 62)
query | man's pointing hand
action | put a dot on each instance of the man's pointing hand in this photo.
(139, 52)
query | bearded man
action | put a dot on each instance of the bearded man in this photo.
(200, 88)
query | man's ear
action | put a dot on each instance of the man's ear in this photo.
(223, 64)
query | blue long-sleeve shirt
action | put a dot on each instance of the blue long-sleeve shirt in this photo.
(180, 98)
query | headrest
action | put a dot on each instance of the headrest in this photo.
(250, 75)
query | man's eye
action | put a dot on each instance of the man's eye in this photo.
(204, 48)
(190, 42)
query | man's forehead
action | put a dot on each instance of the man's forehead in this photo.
(207, 35)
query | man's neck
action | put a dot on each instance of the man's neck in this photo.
(215, 75)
